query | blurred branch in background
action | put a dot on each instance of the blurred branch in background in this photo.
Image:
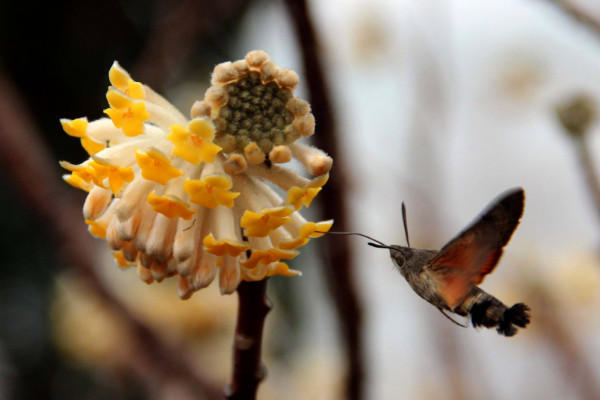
(32, 170)
(576, 11)
(577, 370)
(177, 29)
(576, 116)
(340, 276)
(429, 126)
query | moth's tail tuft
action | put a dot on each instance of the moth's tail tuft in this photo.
(516, 315)
(485, 312)
(490, 312)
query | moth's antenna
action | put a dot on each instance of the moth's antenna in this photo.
(359, 234)
(405, 225)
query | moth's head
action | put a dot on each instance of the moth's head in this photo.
(400, 254)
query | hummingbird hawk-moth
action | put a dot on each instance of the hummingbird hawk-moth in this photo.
(448, 278)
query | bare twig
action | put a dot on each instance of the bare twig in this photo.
(248, 370)
(577, 115)
(589, 172)
(340, 275)
(35, 174)
(572, 9)
(177, 31)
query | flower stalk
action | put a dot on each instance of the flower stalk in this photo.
(248, 369)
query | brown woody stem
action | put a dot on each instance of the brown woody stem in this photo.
(248, 370)
(338, 269)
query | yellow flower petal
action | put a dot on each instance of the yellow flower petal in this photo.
(117, 178)
(156, 167)
(269, 256)
(322, 228)
(120, 258)
(283, 269)
(118, 100)
(297, 196)
(126, 113)
(201, 128)
(76, 181)
(91, 146)
(76, 127)
(219, 248)
(120, 79)
(170, 206)
(225, 197)
(96, 228)
(98, 172)
(308, 230)
(261, 224)
(135, 90)
(194, 143)
(211, 191)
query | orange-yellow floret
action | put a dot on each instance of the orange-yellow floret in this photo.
(120, 79)
(211, 191)
(232, 248)
(269, 256)
(194, 142)
(297, 196)
(170, 206)
(117, 100)
(80, 175)
(77, 181)
(96, 228)
(282, 268)
(120, 258)
(78, 128)
(126, 113)
(261, 224)
(117, 176)
(155, 166)
(75, 127)
(308, 230)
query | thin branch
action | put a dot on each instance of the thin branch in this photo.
(35, 174)
(177, 31)
(248, 370)
(588, 169)
(577, 115)
(340, 276)
(575, 11)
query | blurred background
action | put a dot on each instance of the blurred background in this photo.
(441, 104)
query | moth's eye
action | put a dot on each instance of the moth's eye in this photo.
(400, 261)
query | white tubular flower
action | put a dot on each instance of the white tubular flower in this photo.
(190, 197)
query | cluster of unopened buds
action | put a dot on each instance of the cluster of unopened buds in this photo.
(183, 197)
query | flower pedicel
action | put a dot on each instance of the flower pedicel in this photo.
(174, 196)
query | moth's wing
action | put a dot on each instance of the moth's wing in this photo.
(474, 253)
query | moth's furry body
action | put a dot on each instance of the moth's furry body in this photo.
(448, 278)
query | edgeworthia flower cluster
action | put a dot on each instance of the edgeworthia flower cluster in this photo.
(183, 197)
